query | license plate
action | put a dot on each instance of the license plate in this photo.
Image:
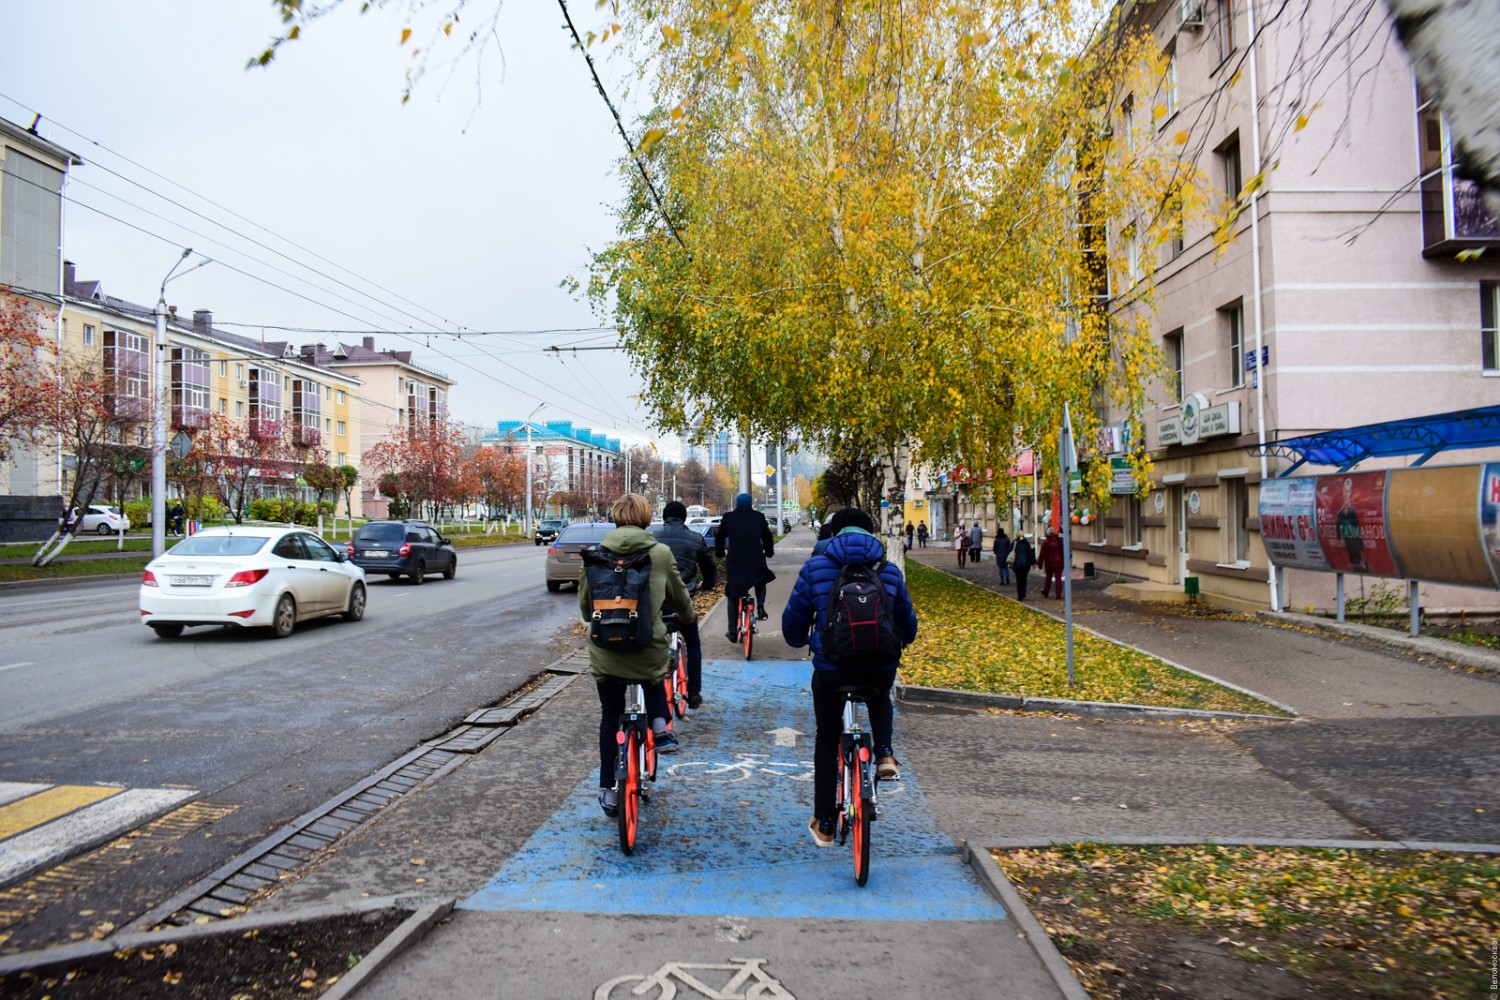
(192, 581)
(376, 553)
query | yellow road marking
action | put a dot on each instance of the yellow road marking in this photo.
(37, 809)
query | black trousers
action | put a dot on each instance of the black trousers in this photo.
(1021, 583)
(611, 704)
(828, 710)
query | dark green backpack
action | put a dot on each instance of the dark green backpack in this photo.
(620, 613)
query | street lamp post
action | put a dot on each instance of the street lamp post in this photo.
(159, 418)
(529, 460)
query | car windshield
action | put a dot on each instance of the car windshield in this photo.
(551, 525)
(388, 531)
(220, 545)
(585, 533)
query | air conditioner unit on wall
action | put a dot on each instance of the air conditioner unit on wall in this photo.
(1190, 15)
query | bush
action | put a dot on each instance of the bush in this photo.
(205, 509)
(287, 511)
(139, 513)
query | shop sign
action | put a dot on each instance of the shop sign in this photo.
(1197, 420)
(1121, 477)
(1026, 486)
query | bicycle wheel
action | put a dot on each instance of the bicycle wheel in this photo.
(679, 690)
(629, 787)
(863, 813)
(747, 626)
(842, 802)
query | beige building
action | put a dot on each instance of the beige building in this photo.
(1343, 296)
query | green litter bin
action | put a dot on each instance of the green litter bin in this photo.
(1088, 571)
(1190, 587)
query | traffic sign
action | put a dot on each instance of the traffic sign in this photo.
(181, 444)
(770, 470)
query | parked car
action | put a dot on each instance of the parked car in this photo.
(105, 519)
(411, 549)
(546, 531)
(563, 562)
(249, 577)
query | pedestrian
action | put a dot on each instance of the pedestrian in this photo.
(1002, 548)
(177, 515)
(70, 519)
(697, 568)
(826, 531)
(976, 541)
(746, 534)
(961, 544)
(802, 623)
(1025, 558)
(614, 670)
(922, 534)
(1051, 558)
(911, 531)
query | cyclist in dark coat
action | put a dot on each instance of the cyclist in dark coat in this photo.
(693, 560)
(745, 532)
(801, 624)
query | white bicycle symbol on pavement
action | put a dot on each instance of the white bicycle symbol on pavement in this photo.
(738, 987)
(744, 765)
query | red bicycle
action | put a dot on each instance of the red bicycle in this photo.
(857, 781)
(676, 681)
(635, 764)
(747, 623)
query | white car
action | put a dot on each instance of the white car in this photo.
(104, 519)
(250, 576)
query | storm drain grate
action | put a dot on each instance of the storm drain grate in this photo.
(234, 887)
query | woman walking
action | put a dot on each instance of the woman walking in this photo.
(1025, 559)
(961, 544)
(1002, 548)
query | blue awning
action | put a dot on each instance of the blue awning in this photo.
(1420, 436)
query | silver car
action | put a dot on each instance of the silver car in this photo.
(563, 561)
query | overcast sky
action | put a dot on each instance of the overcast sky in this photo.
(463, 209)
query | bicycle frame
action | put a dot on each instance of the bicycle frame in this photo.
(856, 784)
(676, 682)
(635, 763)
(747, 623)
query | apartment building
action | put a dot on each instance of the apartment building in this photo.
(1346, 291)
(584, 469)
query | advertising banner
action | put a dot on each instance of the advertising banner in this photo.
(1351, 524)
(1434, 530)
(1489, 516)
(1288, 523)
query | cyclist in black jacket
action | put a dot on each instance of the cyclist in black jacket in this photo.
(697, 567)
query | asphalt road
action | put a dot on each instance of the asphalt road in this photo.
(256, 731)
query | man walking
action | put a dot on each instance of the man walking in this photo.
(976, 541)
(746, 534)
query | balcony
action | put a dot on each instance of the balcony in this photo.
(306, 436)
(189, 418)
(1453, 213)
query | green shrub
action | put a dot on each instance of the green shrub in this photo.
(139, 513)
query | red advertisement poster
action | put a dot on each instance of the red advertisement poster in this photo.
(1351, 524)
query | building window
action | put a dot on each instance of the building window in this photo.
(342, 458)
(1489, 327)
(327, 393)
(1172, 347)
(328, 424)
(1230, 173)
(1453, 211)
(1127, 121)
(1169, 83)
(190, 393)
(239, 407)
(239, 374)
(223, 369)
(223, 406)
(1132, 252)
(1227, 40)
(340, 430)
(1234, 322)
(1237, 520)
(88, 335)
(341, 397)
(1176, 237)
(1132, 521)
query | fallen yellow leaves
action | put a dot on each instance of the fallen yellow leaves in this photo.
(974, 640)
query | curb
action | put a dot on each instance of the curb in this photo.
(68, 954)
(63, 581)
(1031, 929)
(1024, 843)
(1096, 709)
(412, 930)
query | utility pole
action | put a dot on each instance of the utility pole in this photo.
(159, 418)
(529, 459)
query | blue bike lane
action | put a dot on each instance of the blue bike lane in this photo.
(726, 828)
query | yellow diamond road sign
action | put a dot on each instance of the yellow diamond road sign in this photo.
(770, 470)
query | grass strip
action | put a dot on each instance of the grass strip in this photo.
(972, 639)
(1348, 922)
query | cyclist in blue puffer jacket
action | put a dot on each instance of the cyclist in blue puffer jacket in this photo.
(853, 541)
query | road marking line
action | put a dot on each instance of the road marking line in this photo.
(43, 807)
(100, 821)
(14, 666)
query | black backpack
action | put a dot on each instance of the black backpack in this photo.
(620, 614)
(859, 628)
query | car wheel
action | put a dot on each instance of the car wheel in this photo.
(452, 569)
(285, 618)
(554, 585)
(103, 529)
(167, 631)
(419, 575)
(356, 609)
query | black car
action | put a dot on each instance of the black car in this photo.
(546, 531)
(403, 548)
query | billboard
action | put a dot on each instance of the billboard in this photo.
(1288, 523)
(1489, 516)
(1351, 523)
(1433, 529)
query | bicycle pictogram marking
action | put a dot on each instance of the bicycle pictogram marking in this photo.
(744, 765)
(746, 981)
